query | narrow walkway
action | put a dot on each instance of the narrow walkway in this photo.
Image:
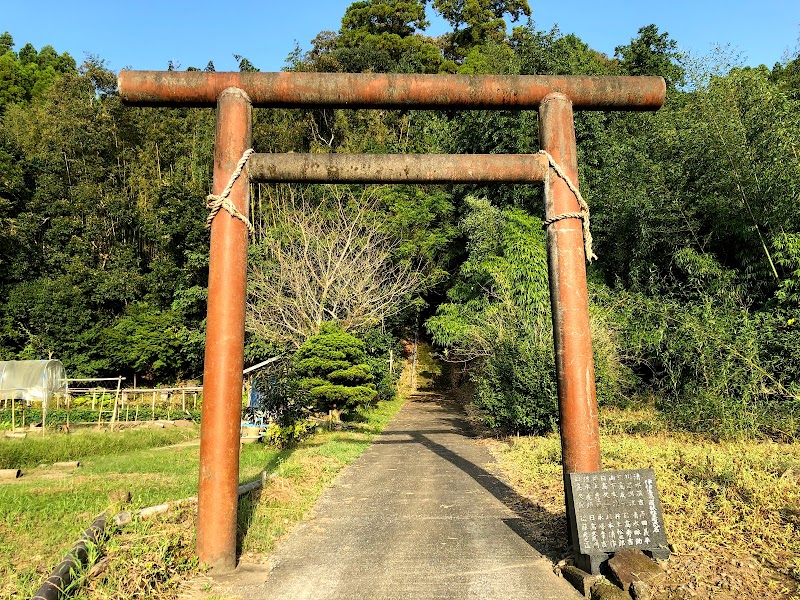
(416, 516)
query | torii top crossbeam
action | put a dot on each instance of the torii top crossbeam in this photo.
(234, 95)
(391, 90)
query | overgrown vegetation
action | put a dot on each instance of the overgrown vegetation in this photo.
(498, 318)
(730, 507)
(103, 253)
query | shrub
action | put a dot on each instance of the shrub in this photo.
(712, 363)
(498, 320)
(332, 367)
(378, 345)
(516, 390)
(283, 436)
(278, 397)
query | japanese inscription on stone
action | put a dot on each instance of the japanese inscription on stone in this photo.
(616, 510)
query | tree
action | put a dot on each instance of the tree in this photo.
(652, 53)
(145, 340)
(398, 17)
(380, 36)
(245, 66)
(332, 366)
(476, 22)
(330, 262)
(6, 43)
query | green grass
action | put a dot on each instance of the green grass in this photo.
(731, 508)
(52, 447)
(43, 514)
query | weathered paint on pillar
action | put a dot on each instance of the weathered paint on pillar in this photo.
(580, 435)
(224, 359)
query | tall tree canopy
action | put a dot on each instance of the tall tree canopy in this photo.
(477, 22)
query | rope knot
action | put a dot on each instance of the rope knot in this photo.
(217, 202)
(583, 215)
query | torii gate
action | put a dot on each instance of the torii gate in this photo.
(234, 95)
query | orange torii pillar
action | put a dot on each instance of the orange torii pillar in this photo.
(234, 95)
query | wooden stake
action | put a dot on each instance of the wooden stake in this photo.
(100, 411)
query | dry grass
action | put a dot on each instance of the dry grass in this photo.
(148, 559)
(732, 509)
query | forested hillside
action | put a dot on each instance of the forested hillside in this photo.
(104, 251)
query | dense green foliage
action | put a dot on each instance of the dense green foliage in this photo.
(695, 298)
(332, 366)
(498, 317)
(102, 246)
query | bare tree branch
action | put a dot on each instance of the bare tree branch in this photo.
(330, 262)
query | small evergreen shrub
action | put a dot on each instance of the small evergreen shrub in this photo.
(332, 367)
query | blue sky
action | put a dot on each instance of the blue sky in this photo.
(146, 34)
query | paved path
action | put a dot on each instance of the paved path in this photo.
(418, 515)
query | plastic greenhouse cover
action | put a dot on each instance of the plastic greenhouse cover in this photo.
(32, 380)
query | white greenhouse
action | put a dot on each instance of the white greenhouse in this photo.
(32, 381)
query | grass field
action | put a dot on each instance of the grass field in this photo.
(731, 509)
(43, 514)
(37, 449)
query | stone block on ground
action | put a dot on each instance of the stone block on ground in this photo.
(641, 590)
(607, 591)
(580, 579)
(628, 566)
